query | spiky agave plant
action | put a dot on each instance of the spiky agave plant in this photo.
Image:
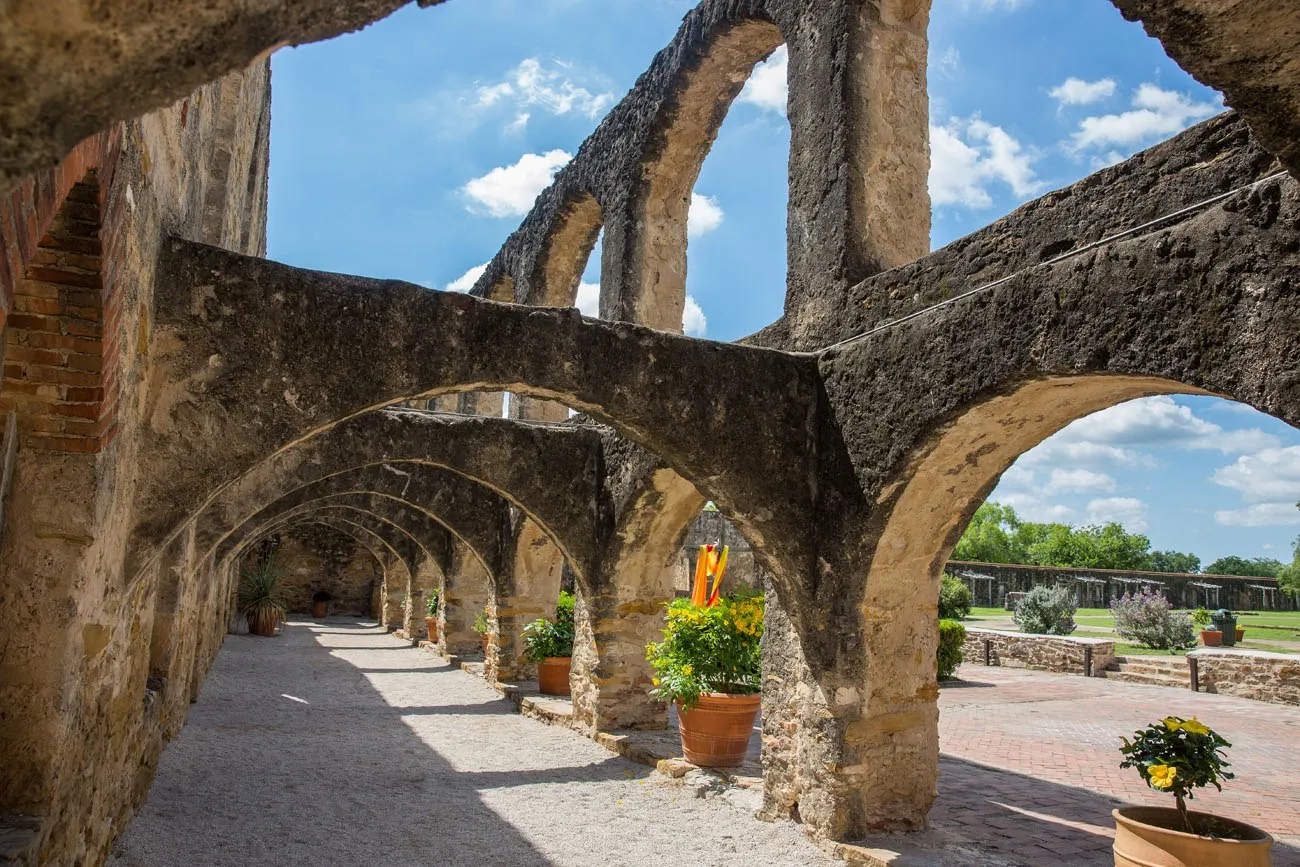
(260, 598)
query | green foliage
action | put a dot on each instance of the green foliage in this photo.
(708, 649)
(997, 535)
(564, 609)
(954, 599)
(1173, 561)
(431, 603)
(545, 638)
(951, 637)
(1288, 577)
(1259, 567)
(1201, 617)
(259, 594)
(1178, 756)
(1047, 610)
(481, 624)
(1149, 619)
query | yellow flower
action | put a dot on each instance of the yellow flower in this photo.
(1161, 776)
(655, 681)
(1173, 723)
(1194, 727)
(688, 670)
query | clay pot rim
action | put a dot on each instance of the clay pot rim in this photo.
(1125, 814)
(555, 660)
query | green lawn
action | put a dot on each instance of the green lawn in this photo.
(1280, 626)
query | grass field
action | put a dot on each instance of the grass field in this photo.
(1274, 631)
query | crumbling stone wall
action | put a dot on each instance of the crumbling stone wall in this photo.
(317, 558)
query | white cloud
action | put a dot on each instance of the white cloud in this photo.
(517, 125)
(1156, 114)
(1160, 420)
(1260, 515)
(1268, 476)
(1060, 449)
(694, 322)
(1128, 511)
(530, 84)
(588, 301)
(1076, 91)
(466, 281)
(961, 170)
(509, 191)
(948, 64)
(704, 216)
(1030, 507)
(768, 85)
(1079, 481)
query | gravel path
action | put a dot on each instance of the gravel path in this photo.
(335, 744)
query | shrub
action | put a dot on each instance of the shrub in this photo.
(547, 638)
(481, 624)
(954, 599)
(1201, 617)
(1148, 618)
(951, 637)
(431, 603)
(260, 598)
(1047, 611)
(564, 608)
(708, 648)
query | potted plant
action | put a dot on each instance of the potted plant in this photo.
(1177, 756)
(709, 665)
(431, 620)
(260, 598)
(320, 601)
(483, 628)
(549, 643)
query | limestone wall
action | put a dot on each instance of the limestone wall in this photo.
(317, 558)
(1063, 653)
(100, 654)
(1272, 677)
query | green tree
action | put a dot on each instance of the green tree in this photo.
(1174, 561)
(988, 536)
(1092, 547)
(1259, 567)
(1288, 577)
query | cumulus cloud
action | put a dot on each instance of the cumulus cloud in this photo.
(1031, 507)
(967, 155)
(1259, 515)
(1079, 481)
(768, 85)
(1076, 91)
(466, 281)
(550, 89)
(1061, 449)
(1271, 474)
(509, 191)
(1156, 114)
(704, 216)
(588, 299)
(948, 64)
(694, 322)
(1127, 511)
(1161, 420)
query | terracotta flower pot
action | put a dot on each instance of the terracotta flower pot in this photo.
(715, 733)
(431, 626)
(486, 640)
(263, 623)
(553, 675)
(1241, 635)
(319, 609)
(1211, 637)
(1144, 838)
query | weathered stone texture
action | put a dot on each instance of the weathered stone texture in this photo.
(318, 559)
(1064, 653)
(1272, 677)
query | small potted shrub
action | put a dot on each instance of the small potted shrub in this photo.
(320, 604)
(431, 615)
(1178, 756)
(484, 629)
(260, 598)
(952, 637)
(549, 643)
(709, 665)
(1210, 636)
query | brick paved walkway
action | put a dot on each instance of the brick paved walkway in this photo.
(1030, 764)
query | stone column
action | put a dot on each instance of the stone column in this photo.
(427, 579)
(526, 590)
(466, 593)
(396, 578)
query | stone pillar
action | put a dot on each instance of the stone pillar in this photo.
(526, 590)
(611, 677)
(467, 591)
(396, 578)
(427, 579)
(446, 403)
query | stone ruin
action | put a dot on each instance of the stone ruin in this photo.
(173, 398)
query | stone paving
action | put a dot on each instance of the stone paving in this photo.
(1030, 764)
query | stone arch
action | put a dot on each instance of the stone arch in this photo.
(654, 283)
(567, 248)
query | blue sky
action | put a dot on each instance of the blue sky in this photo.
(412, 149)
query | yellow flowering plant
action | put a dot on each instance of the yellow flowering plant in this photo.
(1178, 756)
(708, 648)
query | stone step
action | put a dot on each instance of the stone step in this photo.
(1146, 679)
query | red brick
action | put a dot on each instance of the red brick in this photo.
(80, 361)
(30, 304)
(35, 323)
(85, 395)
(64, 277)
(88, 411)
(34, 356)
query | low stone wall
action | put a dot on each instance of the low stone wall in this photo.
(1062, 653)
(1271, 677)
